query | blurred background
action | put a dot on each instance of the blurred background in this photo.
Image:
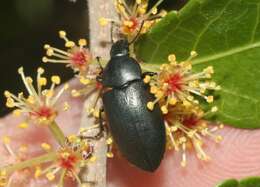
(26, 25)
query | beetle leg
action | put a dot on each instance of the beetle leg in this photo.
(99, 79)
(101, 129)
(99, 63)
(148, 73)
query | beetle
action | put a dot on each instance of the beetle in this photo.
(138, 132)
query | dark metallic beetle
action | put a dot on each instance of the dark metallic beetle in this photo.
(138, 132)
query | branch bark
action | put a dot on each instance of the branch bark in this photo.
(99, 46)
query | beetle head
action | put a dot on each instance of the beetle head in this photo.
(120, 48)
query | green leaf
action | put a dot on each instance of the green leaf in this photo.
(247, 182)
(228, 183)
(226, 35)
(250, 182)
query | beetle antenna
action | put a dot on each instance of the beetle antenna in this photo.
(138, 33)
(111, 32)
(99, 63)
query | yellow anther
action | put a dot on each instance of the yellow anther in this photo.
(50, 176)
(147, 79)
(172, 58)
(23, 125)
(109, 141)
(218, 87)
(45, 59)
(6, 140)
(138, 2)
(186, 103)
(142, 11)
(159, 94)
(20, 70)
(221, 126)
(69, 44)
(17, 112)
(30, 99)
(174, 128)
(183, 163)
(210, 99)
(190, 98)
(7, 94)
(55, 79)
(40, 70)
(218, 138)
(10, 103)
(128, 23)
(110, 155)
(42, 81)
(48, 93)
(29, 80)
(96, 113)
(193, 53)
(202, 90)
(172, 101)
(82, 42)
(46, 146)
(93, 159)
(209, 70)
(37, 172)
(150, 105)
(84, 80)
(72, 138)
(154, 10)
(50, 52)
(153, 89)
(103, 21)
(47, 46)
(66, 86)
(164, 109)
(163, 13)
(66, 106)
(214, 109)
(75, 93)
(62, 34)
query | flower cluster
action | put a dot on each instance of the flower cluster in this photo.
(66, 162)
(74, 155)
(177, 90)
(40, 104)
(78, 57)
(187, 130)
(176, 83)
(133, 17)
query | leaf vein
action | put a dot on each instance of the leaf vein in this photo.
(256, 23)
(226, 53)
(239, 95)
(208, 25)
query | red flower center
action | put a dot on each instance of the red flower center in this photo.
(190, 121)
(68, 162)
(79, 58)
(43, 111)
(174, 82)
(99, 86)
(133, 27)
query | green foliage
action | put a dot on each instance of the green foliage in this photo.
(247, 182)
(226, 35)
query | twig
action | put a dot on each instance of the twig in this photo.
(100, 45)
